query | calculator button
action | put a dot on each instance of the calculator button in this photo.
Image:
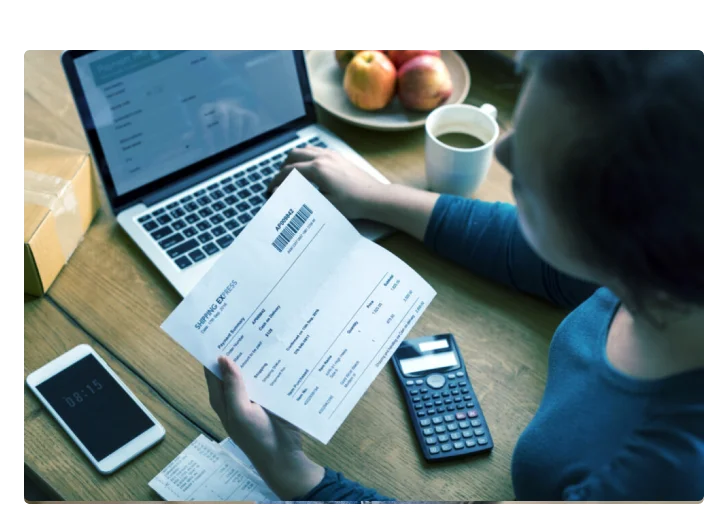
(446, 447)
(450, 407)
(431, 440)
(476, 423)
(450, 376)
(440, 429)
(409, 383)
(433, 450)
(416, 399)
(436, 381)
(414, 392)
(460, 405)
(437, 420)
(459, 374)
(463, 383)
(470, 443)
(482, 441)
(464, 424)
(460, 416)
(418, 406)
(426, 397)
(448, 401)
(428, 431)
(455, 392)
(467, 397)
(419, 382)
(455, 436)
(421, 413)
(453, 385)
(472, 414)
(425, 422)
(467, 434)
(479, 432)
(431, 411)
(458, 399)
(428, 404)
(441, 409)
(436, 395)
(424, 390)
(452, 427)
(449, 418)
(465, 391)
(469, 404)
(446, 394)
(458, 445)
(443, 438)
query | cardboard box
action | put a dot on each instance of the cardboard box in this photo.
(60, 202)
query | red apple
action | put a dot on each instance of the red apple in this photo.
(424, 83)
(401, 57)
(370, 80)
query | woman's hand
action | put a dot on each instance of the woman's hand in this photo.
(348, 187)
(273, 445)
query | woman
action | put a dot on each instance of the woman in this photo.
(606, 158)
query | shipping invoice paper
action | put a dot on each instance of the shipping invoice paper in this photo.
(308, 308)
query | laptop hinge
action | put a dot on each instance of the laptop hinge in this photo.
(205, 174)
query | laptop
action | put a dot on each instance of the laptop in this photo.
(186, 143)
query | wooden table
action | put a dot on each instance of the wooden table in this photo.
(110, 296)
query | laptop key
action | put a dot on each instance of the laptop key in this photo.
(321, 144)
(255, 210)
(242, 182)
(216, 219)
(232, 224)
(267, 170)
(216, 195)
(238, 230)
(151, 225)
(218, 231)
(225, 241)
(256, 200)
(252, 168)
(178, 213)
(205, 237)
(203, 225)
(197, 255)
(184, 248)
(212, 186)
(178, 224)
(229, 212)
(143, 219)
(203, 200)
(229, 200)
(183, 262)
(192, 218)
(279, 156)
(172, 205)
(229, 188)
(158, 212)
(172, 241)
(265, 162)
(164, 219)
(199, 193)
(205, 212)
(186, 199)
(219, 206)
(255, 177)
(257, 187)
(243, 206)
(244, 193)
(239, 175)
(191, 206)
(191, 231)
(300, 145)
(211, 248)
(161, 233)
(244, 218)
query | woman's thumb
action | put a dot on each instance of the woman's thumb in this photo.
(233, 386)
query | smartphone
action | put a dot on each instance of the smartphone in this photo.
(95, 408)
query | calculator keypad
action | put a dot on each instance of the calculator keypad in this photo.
(448, 417)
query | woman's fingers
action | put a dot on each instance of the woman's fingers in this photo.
(302, 167)
(234, 391)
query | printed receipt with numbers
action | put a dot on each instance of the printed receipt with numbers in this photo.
(308, 308)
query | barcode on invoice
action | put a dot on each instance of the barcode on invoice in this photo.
(292, 228)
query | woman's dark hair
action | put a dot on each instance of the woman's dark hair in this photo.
(632, 185)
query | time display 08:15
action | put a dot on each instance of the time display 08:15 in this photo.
(81, 395)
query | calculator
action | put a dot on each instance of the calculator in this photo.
(441, 402)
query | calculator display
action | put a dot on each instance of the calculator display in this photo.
(427, 362)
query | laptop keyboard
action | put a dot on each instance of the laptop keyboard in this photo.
(208, 220)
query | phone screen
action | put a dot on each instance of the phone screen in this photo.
(95, 407)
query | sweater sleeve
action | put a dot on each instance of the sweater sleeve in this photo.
(336, 488)
(486, 239)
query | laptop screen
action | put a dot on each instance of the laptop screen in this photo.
(156, 112)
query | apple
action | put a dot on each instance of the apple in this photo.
(370, 80)
(424, 83)
(401, 57)
(343, 57)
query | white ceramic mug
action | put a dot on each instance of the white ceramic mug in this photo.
(453, 170)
